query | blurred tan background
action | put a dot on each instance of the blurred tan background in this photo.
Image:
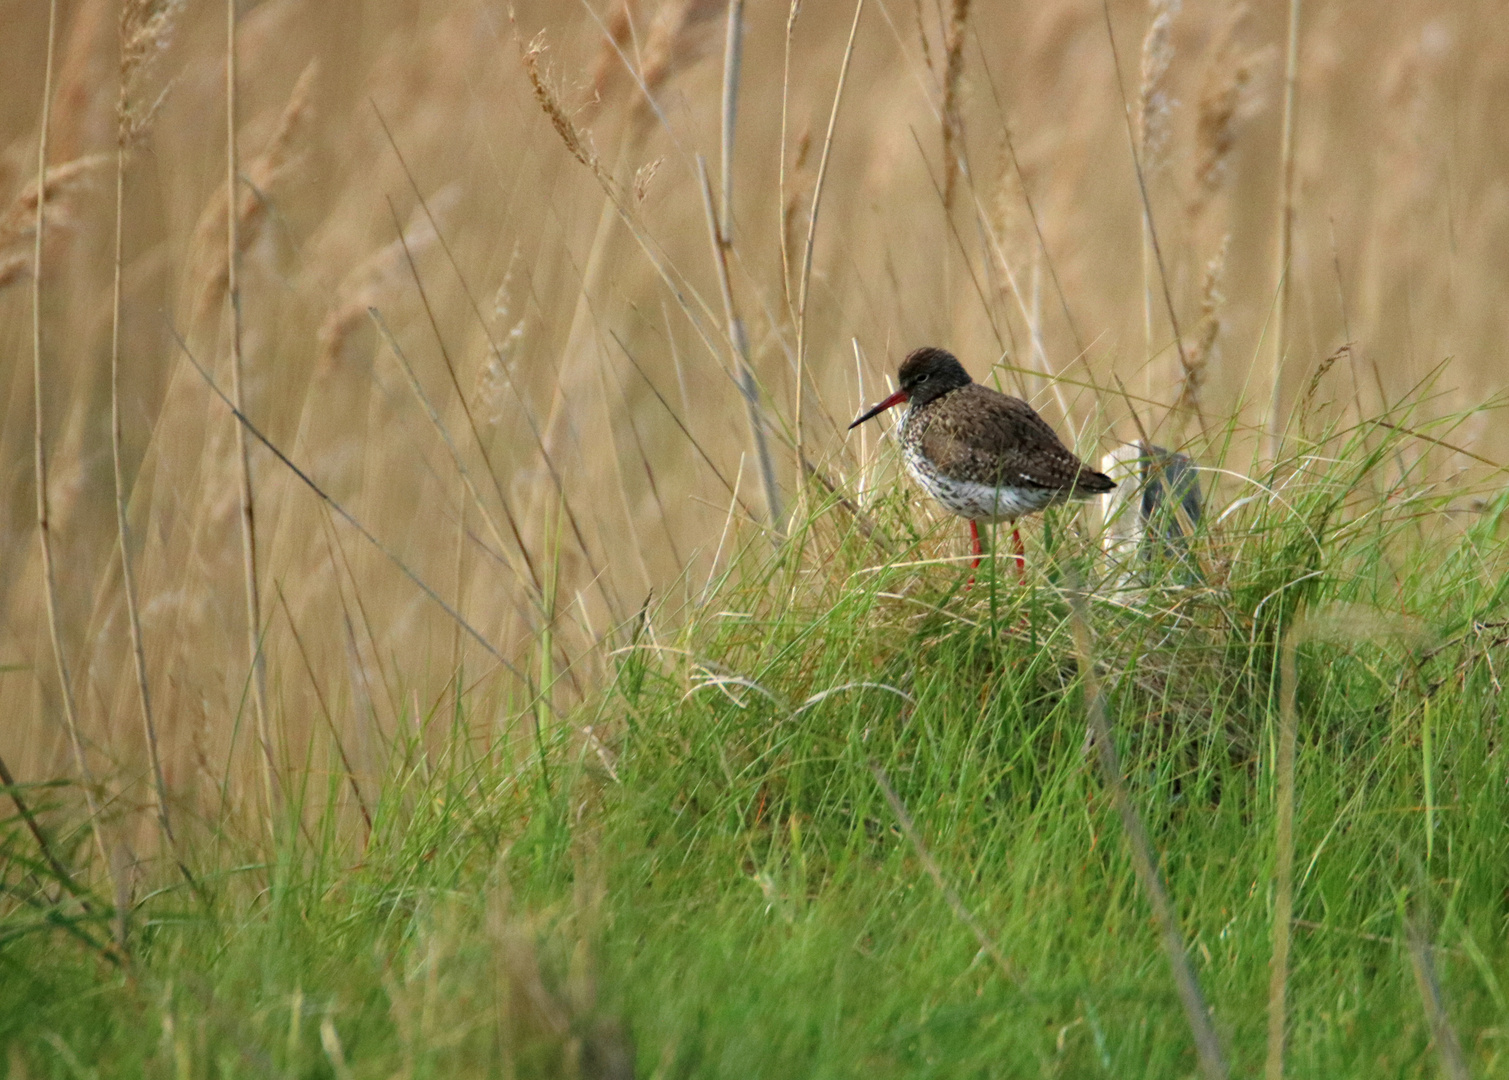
(537, 290)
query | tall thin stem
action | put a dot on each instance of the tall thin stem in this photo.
(1147, 308)
(1448, 1046)
(733, 63)
(128, 581)
(1144, 860)
(1147, 205)
(817, 198)
(243, 457)
(1285, 229)
(1283, 899)
(44, 521)
(49, 854)
(796, 7)
(720, 224)
(740, 339)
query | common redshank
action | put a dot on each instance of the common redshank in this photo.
(983, 455)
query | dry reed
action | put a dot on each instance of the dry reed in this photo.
(530, 581)
(253, 191)
(679, 36)
(733, 68)
(745, 375)
(791, 208)
(575, 141)
(1229, 97)
(720, 227)
(1142, 190)
(247, 504)
(787, 202)
(951, 111)
(378, 280)
(1155, 106)
(51, 198)
(1155, 101)
(1285, 230)
(44, 519)
(962, 913)
(817, 198)
(1144, 859)
(1443, 1035)
(619, 34)
(145, 29)
(1205, 351)
(336, 508)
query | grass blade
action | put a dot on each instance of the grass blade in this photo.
(1207, 1044)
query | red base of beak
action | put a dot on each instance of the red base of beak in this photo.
(895, 399)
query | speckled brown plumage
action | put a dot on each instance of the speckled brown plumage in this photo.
(983, 455)
(958, 436)
(977, 436)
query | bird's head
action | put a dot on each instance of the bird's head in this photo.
(925, 374)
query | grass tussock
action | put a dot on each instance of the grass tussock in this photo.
(586, 701)
(857, 825)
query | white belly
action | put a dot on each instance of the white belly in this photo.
(976, 501)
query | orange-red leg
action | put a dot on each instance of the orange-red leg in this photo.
(1019, 549)
(974, 533)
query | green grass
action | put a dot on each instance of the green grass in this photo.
(712, 883)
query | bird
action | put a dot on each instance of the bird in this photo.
(984, 455)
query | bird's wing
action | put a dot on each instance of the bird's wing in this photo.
(1000, 440)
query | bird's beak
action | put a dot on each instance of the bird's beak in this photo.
(895, 399)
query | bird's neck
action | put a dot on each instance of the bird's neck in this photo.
(933, 398)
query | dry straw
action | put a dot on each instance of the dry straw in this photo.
(1155, 106)
(952, 115)
(1155, 101)
(1338, 623)
(720, 229)
(233, 248)
(1144, 858)
(1205, 350)
(257, 185)
(679, 37)
(1142, 190)
(1285, 228)
(51, 199)
(39, 459)
(1229, 96)
(817, 197)
(145, 29)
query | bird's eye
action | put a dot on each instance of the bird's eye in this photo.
(922, 378)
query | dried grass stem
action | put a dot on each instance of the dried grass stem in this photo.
(1144, 859)
(243, 451)
(817, 197)
(39, 458)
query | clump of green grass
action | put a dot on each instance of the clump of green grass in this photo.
(699, 873)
